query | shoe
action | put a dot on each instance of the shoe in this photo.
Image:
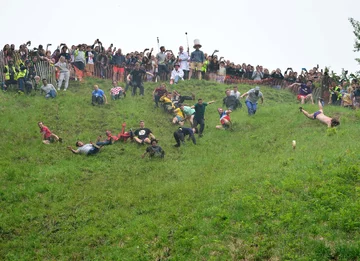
(200, 135)
(177, 145)
(300, 108)
(60, 140)
(93, 104)
(64, 90)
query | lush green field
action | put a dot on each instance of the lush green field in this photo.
(237, 195)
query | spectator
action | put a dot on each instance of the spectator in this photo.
(319, 115)
(221, 74)
(335, 92)
(356, 94)
(154, 150)
(176, 74)
(258, 74)
(87, 149)
(21, 77)
(162, 68)
(10, 73)
(116, 92)
(63, 66)
(118, 62)
(143, 135)
(183, 60)
(98, 96)
(199, 117)
(278, 77)
(90, 60)
(196, 59)
(252, 97)
(79, 61)
(49, 89)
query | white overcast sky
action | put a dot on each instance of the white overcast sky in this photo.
(277, 33)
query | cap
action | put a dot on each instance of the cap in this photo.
(257, 88)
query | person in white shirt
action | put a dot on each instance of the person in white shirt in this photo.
(63, 66)
(183, 59)
(176, 74)
(235, 92)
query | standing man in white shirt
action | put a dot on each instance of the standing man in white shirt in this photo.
(176, 74)
(235, 92)
(183, 60)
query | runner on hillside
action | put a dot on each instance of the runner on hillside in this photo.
(224, 119)
(319, 115)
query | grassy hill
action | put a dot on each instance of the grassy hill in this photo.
(236, 195)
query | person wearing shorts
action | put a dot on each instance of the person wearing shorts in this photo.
(179, 117)
(224, 119)
(47, 136)
(304, 91)
(197, 59)
(143, 135)
(319, 115)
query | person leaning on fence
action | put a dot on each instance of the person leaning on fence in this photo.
(118, 62)
(252, 97)
(21, 77)
(10, 72)
(79, 62)
(98, 96)
(63, 66)
(49, 89)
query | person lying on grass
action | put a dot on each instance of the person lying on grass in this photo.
(319, 115)
(87, 149)
(224, 119)
(154, 150)
(47, 136)
(110, 139)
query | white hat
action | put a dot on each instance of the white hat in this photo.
(197, 42)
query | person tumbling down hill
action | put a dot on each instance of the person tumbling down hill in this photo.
(110, 139)
(180, 134)
(87, 149)
(47, 135)
(319, 115)
(224, 119)
(154, 150)
(252, 97)
(143, 135)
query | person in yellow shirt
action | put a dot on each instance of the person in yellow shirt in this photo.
(167, 103)
(179, 117)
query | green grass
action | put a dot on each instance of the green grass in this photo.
(237, 195)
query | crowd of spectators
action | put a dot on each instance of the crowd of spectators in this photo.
(25, 67)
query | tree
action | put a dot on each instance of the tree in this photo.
(356, 25)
